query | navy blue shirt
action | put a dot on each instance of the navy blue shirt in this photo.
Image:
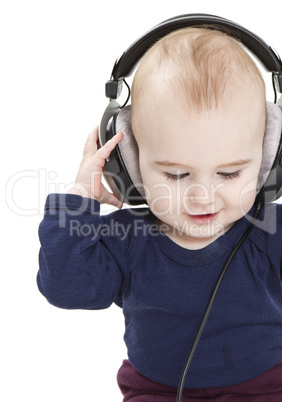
(88, 261)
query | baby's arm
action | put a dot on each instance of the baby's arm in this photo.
(80, 267)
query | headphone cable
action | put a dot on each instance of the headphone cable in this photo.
(128, 95)
(256, 212)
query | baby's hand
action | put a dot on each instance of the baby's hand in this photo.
(88, 182)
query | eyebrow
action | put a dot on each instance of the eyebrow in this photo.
(239, 162)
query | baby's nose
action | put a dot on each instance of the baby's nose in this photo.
(203, 194)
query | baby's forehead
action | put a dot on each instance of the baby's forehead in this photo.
(166, 124)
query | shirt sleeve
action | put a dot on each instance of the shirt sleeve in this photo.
(81, 265)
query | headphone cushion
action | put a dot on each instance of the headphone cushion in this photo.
(271, 141)
(129, 148)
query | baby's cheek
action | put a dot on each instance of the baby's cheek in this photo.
(247, 196)
(247, 202)
(161, 200)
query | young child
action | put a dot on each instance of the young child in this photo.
(198, 116)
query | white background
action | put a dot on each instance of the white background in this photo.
(55, 59)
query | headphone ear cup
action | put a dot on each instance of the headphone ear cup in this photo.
(271, 142)
(115, 172)
(129, 149)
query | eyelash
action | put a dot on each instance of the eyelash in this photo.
(181, 176)
(228, 176)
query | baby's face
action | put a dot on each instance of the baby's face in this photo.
(200, 170)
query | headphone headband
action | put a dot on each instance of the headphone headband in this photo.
(125, 65)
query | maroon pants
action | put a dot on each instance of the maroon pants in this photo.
(137, 388)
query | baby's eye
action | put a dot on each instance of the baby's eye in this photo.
(177, 176)
(228, 176)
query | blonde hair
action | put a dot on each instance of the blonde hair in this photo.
(201, 65)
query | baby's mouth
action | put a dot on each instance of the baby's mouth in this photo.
(204, 218)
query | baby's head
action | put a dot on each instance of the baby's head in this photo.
(198, 115)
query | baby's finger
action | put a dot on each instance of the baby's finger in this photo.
(90, 146)
(113, 141)
(96, 184)
(114, 201)
(104, 152)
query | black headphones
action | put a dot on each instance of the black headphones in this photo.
(122, 173)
